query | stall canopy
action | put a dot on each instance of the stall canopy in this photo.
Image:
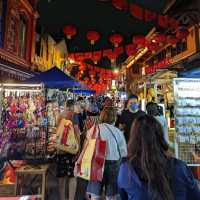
(84, 90)
(55, 78)
(194, 73)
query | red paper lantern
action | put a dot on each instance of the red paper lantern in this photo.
(81, 67)
(92, 73)
(130, 50)
(88, 55)
(182, 33)
(152, 47)
(140, 40)
(118, 50)
(69, 31)
(71, 56)
(93, 36)
(96, 56)
(160, 38)
(120, 4)
(136, 11)
(116, 39)
(172, 40)
(111, 55)
(79, 57)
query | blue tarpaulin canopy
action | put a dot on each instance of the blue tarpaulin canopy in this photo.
(193, 73)
(55, 78)
(83, 90)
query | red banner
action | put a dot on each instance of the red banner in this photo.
(160, 65)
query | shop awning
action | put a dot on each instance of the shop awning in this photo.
(55, 78)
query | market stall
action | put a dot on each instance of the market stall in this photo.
(58, 87)
(186, 89)
(23, 121)
(29, 113)
(187, 116)
(158, 87)
(24, 132)
(56, 84)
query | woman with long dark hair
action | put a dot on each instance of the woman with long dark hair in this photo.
(150, 173)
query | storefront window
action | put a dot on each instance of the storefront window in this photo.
(12, 34)
(22, 36)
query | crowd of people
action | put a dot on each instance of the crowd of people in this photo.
(137, 162)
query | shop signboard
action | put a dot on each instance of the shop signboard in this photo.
(158, 66)
(187, 120)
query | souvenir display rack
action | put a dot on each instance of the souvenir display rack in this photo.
(24, 122)
(187, 120)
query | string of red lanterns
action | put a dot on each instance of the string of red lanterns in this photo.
(105, 76)
(116, 39)
(131, 49)
(147, 15)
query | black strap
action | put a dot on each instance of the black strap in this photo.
(120, 157)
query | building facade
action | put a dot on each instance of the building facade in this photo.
(50, 53)
(17, 39)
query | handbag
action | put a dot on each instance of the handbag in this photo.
(67, 139)
(92, 159)
(90, 122)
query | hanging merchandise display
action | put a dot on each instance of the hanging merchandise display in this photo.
(23, 122)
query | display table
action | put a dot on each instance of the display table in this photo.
(29, 177)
